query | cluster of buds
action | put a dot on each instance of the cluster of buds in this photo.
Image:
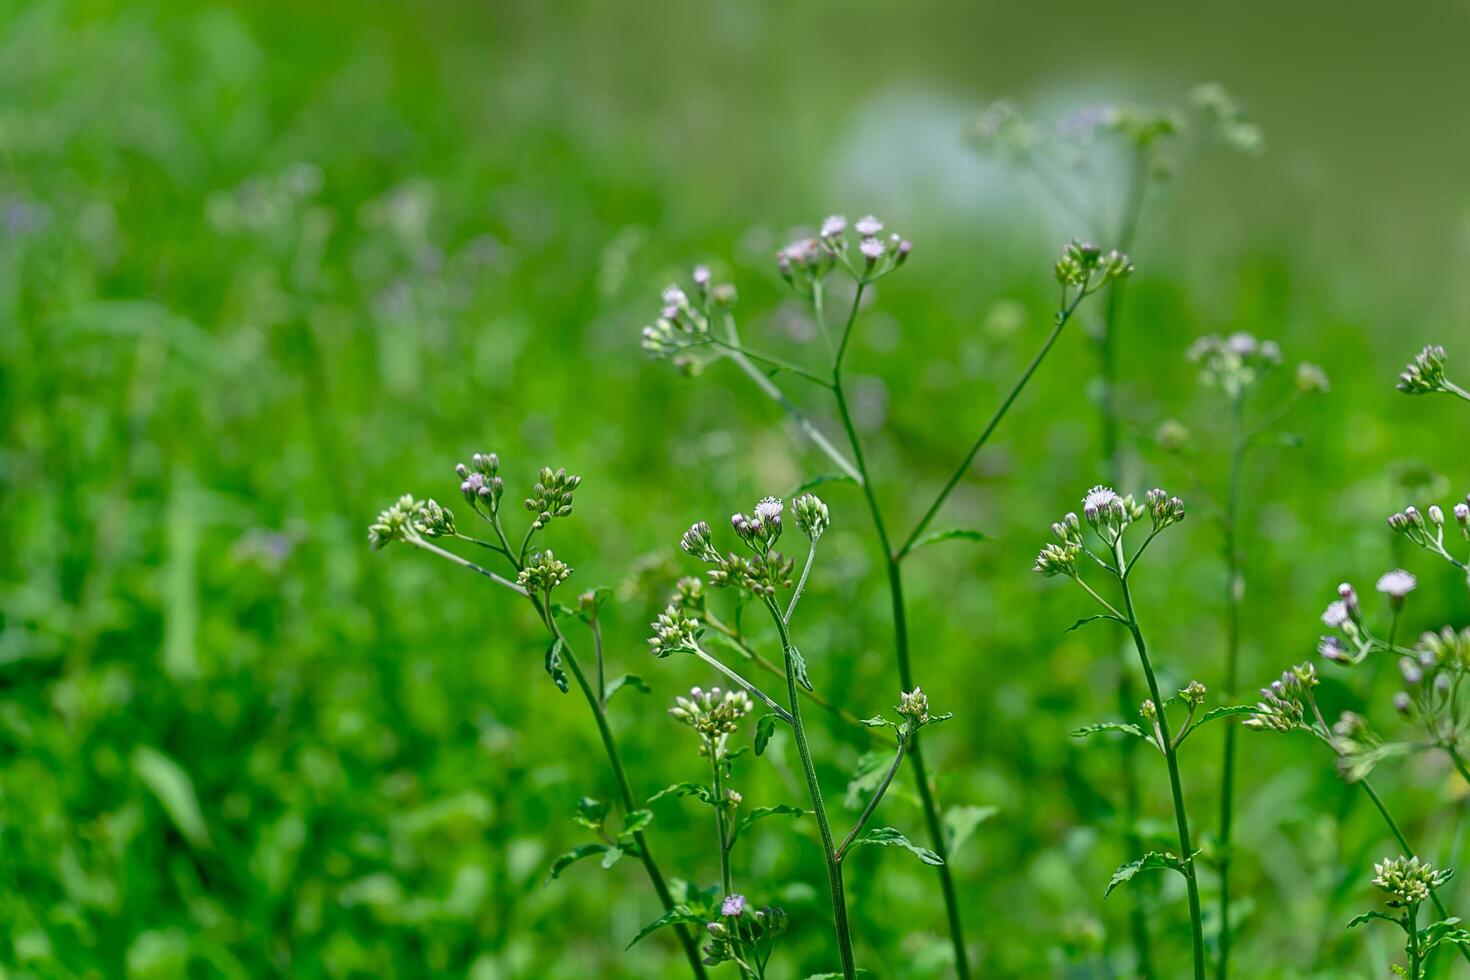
(1109, 514)
(1431, 678)
(698, 542)
(1280, 708)
(762, 575)
(1425, 373)
(543, 572)
(741, 931)
(1193, 694)
(913, 707)
(714, 714)
(808, 260)
(1085, 267)
(811, 515)
(1449, 649)
(762, 528)
(1060, 557)
(480, 482)
(551, 496)
(1236, 362)
(683, 324)
(410, 518)
(1427, 529)
(1164, 510)
(689, 596)
(674, 631)
(1408, 880)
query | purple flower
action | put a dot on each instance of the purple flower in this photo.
(1397, 583)
(868, 226)
(733, 905)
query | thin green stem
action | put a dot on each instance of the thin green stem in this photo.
(1458, 760)
(1062, 317)
(775, 362)
(806, 570)
(933, 820)
(805, 424)
(814, 792)
(1455, 389)
(877, 797)
(720, 829)
(465, 563)
(625, 791)
(1181, 819)
(1233, 590)
(762, 696)
(1411, 926)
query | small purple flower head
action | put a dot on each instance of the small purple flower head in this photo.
(701, 276)
(868, 226)
(1335, 614)
(1331, 649)
(834, 225)
(674, 296)
(1402, 703)
(733, 905)
(1413, 674)
(872, 249)
(1397, 584)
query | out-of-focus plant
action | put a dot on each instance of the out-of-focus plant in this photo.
(1408, 881)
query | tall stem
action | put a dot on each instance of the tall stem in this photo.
(1232, 671)
(1181, 820)
(625, 791)
(814, 792)
(933, 821)
(720, 829)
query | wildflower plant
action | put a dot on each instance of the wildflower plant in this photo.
(536, 576)
(757, 572)
(1237, 367)
(1100, 539)
(697, 326)
(1108, 166)
(1408, 882)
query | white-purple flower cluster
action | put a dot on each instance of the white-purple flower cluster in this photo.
(868, 259)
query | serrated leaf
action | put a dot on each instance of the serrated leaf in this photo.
(1152, 861)
(553, 665)
(817, 481)
(626, 680)
(1091, 619)
(949, 534)
(960, 823)
(1110, 726)
(764, 729)
(675, 915)
(798, 664)
(705, 794)
(889, 837)
(572, 857)
(761, 812)
(174, 790)
(865, 778)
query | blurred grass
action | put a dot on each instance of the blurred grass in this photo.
(264, 267)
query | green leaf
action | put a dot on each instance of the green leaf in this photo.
(798, 664)
(553, 665)
(572, 857)
(1369, 917)
(1111, 726)
(626, 680)
(168, 781)
(611, 857)
(636, 820)
(764, 729)
(761, 812)
(817, 481)
(949, 534)
(704, 793)
(1152, 861)
(591, 813)
(1092, 619)
(888, 837)
(877, 721)
(599, 596)
(865, 779)
(674, 916)
(960, 823)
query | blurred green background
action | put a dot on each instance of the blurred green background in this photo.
(265, 267)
